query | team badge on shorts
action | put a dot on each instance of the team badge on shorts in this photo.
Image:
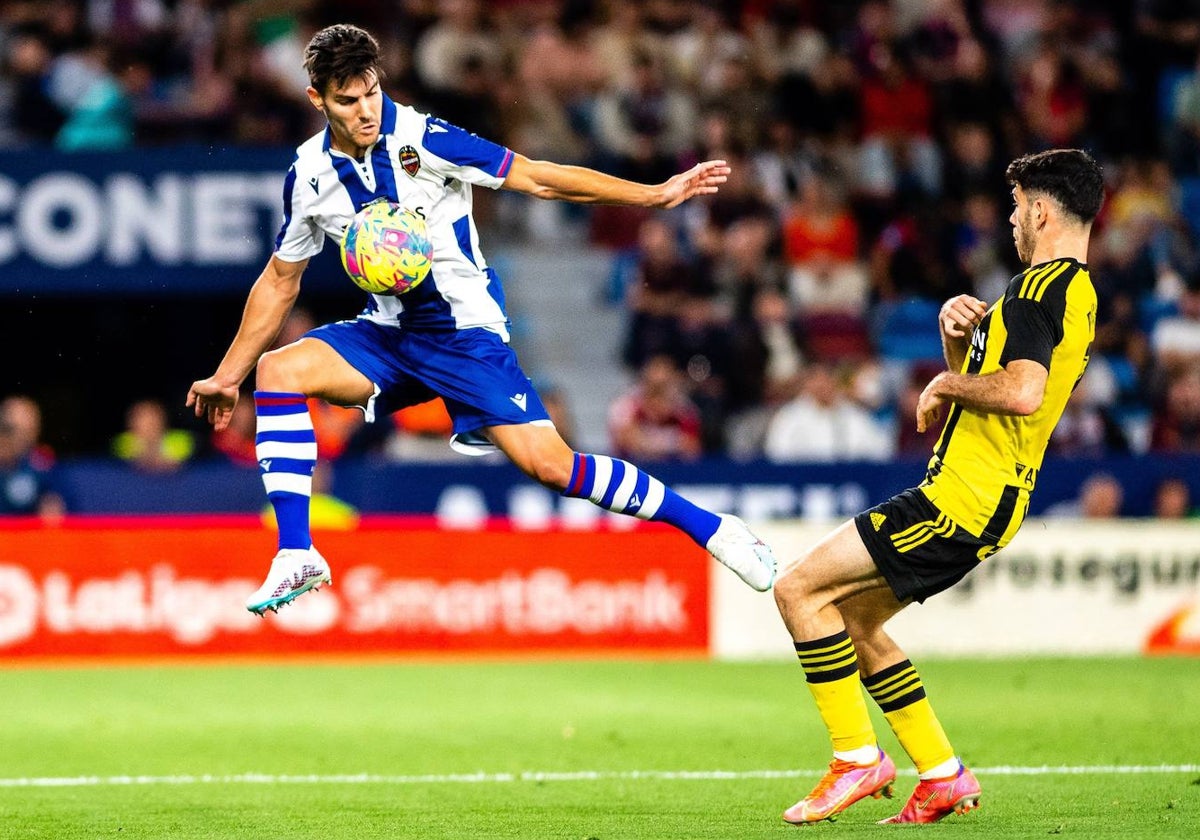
(410, 160)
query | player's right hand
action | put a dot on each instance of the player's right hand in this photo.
(960, 315)
(213, 401)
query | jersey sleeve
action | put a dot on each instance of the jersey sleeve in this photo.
(299, 238)
(466, 156)
(1033, 331)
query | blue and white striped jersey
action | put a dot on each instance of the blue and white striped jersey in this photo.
(427, 165)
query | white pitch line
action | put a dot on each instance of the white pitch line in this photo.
(550, 776)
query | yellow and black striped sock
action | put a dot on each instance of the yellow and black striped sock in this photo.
(900, 694)
(831, 669)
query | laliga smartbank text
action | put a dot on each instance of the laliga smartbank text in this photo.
(191, 610)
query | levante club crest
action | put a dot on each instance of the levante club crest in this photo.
(410, 160)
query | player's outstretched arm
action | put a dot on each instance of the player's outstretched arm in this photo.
(544, 179)
(267, 307)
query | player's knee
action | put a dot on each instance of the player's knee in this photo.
(280, 370)
(549, 471)
(794, 592)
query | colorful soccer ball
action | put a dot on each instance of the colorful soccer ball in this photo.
(386, 249)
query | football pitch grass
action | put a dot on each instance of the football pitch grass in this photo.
(1088, 748)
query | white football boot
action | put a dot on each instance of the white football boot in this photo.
(735, 546)
(294, 571)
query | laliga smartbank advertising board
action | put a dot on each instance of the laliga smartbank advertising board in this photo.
(1060, 587)
(157, 587)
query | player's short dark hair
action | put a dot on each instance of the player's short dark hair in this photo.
(1069, 176)
(340, 53)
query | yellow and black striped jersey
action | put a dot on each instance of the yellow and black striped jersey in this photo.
(984, 466)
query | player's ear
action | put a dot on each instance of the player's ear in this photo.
(315, 98)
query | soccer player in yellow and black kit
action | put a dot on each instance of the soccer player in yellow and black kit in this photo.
(1011, 368)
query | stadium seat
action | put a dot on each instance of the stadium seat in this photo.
(1151, 309)
(1189, 202)
(907, 330)
(835, 336)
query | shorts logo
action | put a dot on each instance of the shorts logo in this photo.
(518, 400)
(877, 519)
(410, 160)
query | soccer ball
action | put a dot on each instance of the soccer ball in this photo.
(386, 249)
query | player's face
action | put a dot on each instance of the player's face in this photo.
(1024, 230)
(354, 111)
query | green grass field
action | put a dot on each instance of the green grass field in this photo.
(617, 734)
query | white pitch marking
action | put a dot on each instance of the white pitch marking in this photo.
(551, 776)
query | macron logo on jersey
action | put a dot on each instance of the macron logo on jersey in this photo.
(312, 182)
(434, 128)
(265, 464)
(519, 400)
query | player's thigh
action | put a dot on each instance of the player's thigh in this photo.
(311, 367)
(836, 568)
(537, 450)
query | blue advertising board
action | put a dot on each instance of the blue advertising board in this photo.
(183, 221)
(469, 493)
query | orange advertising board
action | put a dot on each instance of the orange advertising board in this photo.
(154, 587)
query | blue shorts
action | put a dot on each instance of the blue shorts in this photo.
(472, 370)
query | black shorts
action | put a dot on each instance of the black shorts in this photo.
(918, 549)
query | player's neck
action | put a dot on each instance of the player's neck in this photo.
(1061, 244)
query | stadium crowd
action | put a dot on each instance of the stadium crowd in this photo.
(868, 142)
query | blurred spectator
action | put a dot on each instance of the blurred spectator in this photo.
(98, 109)
(452, 47)
(903, 260)
(820, 243)
(898, 152)
(1100, 497)
(36, 118)
(560, 74)
(148, 443)
(782, 164)
(910, 442)
(766, 361)
(1176, 427)
(421, 433)
(974, 94)
(656, 420)
(662, 280)
(1176, 338)
(236, 441)
(1183, 130)
(823, 424)
(1051, 98)
(972, 165)
(644, 128)
(26, 477)
(1173, 499)
(982, 243)
(1087, 428)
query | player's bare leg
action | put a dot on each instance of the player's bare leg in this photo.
(287, 452)
(807, 594)
(542, 454)
(946, 786)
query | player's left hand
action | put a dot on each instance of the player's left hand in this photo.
(702, 179)
(929, 405)
(213, 401)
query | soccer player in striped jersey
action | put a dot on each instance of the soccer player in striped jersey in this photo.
(447, 337)
(1011, 368)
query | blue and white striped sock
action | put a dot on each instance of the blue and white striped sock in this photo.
(621, 487)
(286, 448)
